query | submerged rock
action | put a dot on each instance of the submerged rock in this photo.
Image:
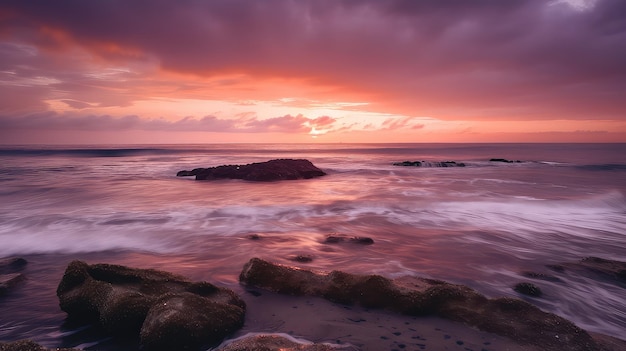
(513, 318)
(167, 311)
(278, 343)
(281, 169)
(614, 270)
(27, 345)
(528, 289)
(11, 264)
(540, 276)
(335, 239)
(594, 267)
(7, 281)
(9, 277)
(301, 258)
(429, 164)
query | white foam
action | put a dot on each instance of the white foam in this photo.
(291, 338)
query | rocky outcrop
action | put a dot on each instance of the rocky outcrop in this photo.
(278, 343)
(281, 169)
(27, 345)
(504, 160)
(9, 277)
(513, 318)
(428, 164)
(167, 311)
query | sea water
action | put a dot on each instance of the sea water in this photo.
(481, 225)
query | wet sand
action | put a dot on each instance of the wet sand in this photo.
(321, 321)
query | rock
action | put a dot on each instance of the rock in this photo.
(27, 345)
(429, 164)
(301, 258)
(614, 270)
(335, 239)
(556, 267)
(127, 301)
(281, 169)
(528, 289)
(277, 343)
(8, 281)
(540, 276)
(504, 160)
(186, 321)
(8, 275)
(595, 267)
(12, 264)
(513, 318)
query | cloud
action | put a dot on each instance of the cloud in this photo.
(450, 59)
(103, 123)
(284, 124)
(398, 123)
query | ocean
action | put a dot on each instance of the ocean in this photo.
(481, 225)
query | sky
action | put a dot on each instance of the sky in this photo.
(302, 71)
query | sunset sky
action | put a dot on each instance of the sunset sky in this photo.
(162, 71)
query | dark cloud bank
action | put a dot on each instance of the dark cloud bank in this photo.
(450, 59)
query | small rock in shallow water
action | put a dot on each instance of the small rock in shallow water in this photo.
(336, 238)
(8, 281)
(528, 289)
(301, 258)
(428, 164)
(362, 240)
(615, 270)
(12, 264)
(540, 276)
(556, 267)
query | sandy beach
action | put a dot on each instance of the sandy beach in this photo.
(320, 321)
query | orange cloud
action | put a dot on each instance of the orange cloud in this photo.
(453, 61)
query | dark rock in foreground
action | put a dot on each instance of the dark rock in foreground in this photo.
(429, 164)
(27, 345)
(276, 343)
(528, 289)
(168, 311)
(281, 169)
(513, 318)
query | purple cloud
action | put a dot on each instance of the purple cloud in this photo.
(452, 59)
